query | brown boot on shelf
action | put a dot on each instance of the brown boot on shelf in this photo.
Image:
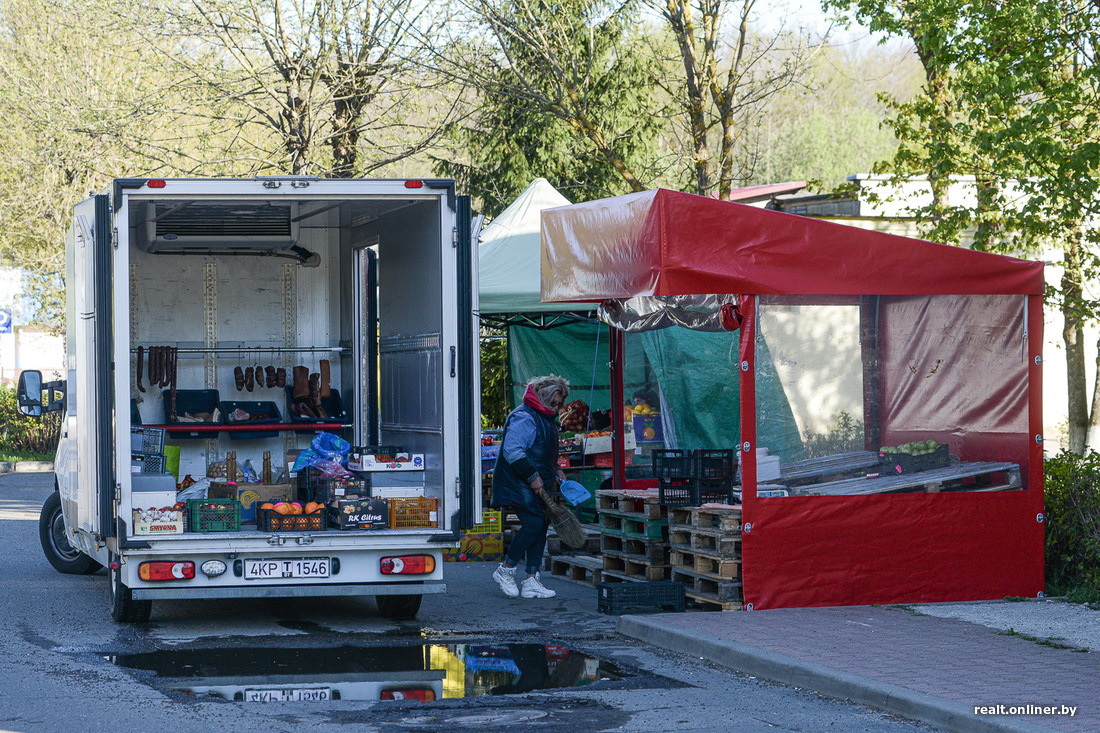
(326, 391)
(315, 395)
(301, 383)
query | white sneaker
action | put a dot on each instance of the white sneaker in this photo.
(532, 588)
(507, 583)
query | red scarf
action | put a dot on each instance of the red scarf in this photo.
(532, 400)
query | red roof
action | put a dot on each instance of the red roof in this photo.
(664, 242)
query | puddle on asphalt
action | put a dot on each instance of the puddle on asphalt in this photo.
(421, 673)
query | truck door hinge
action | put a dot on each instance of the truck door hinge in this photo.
(118, 492)
(307, 540)
(458, 486)
(276, 541)
(454, 237)
(114, 238)
(454, 362)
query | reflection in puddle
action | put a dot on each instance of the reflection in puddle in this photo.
(421, 673)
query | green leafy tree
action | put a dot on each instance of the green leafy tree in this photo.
(1010, 99)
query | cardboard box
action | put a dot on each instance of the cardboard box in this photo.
(407, 462)
(647, 429)
(477, 547)
(604, 460)
(167, 523)
(250, 495)
(603, 445)
(362, 514)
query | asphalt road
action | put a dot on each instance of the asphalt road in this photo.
(66, 666)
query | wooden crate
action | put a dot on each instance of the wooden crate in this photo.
(627, 568)
(580, 569)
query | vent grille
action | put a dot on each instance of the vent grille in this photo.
(238, 220)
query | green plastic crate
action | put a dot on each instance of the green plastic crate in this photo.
(214, 515)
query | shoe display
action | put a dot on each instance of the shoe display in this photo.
(504, 578)
(533, 588)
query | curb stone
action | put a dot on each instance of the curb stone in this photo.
(33, 466)
(6, 466)
(835, 683)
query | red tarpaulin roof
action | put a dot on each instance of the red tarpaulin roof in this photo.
(668, 243)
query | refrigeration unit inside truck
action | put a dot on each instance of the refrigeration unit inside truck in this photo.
(215, 329)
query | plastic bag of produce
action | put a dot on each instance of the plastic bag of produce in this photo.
(331, 447)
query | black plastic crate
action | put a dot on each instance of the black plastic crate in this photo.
(715, 464)
(150, 462)
(673, 463)
(333, 406)
(269, 520)
(268, 409)
(326, 490)
(194, 402)
(676, 491)
(900, 463)
(652, 596)
(146, 440)
(712, 491)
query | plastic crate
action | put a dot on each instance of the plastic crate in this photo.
(270, 409)
(676, 492)
(414, 513)
(269, 520)
(214, 515)
(333, 406)
(655, 596)
(147, 440)
(673, 463)
(712, 491)
(897, 463)
(194, 401)
(325, 490)
(715, 464)
(150, 462)
(491, 522)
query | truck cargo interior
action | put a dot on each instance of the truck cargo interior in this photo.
(249, 320)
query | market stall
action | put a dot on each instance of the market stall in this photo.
(912, 469)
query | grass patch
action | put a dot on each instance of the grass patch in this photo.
(7, 454)
(1053, 643)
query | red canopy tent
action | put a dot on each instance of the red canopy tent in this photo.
(949, 348)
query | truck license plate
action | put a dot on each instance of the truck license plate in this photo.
(314, 694)
(308, 567)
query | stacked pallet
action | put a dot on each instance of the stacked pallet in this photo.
(705, 545)
(633, 536)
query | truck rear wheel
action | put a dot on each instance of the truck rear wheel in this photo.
(398, 607)
(124, 608)
(55, 542)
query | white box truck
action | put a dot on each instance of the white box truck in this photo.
(370, 282)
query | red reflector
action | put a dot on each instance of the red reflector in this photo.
(408, 565)
(420, 695)
(155, 183)
(166, 570)
(414, 184)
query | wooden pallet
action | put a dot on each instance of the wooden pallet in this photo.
(724, 591)
(718, 567)
(634, 547)
(706, 603)
(714, 543)
(580, 569)
(623, 566)
(633, 527)
(632, 504)
(726, 520)
(555, 546)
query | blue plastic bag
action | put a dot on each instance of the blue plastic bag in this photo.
(574, 492)
(331, 447)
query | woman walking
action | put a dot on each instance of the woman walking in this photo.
(527, 465)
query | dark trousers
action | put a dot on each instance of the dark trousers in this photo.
(529, 540)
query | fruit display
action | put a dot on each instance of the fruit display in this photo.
(574, 416)
(641, 407)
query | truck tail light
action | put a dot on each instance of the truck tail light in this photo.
(414, 184)
(167, 570)
(408, 565)
(155, 183)
(425, 694)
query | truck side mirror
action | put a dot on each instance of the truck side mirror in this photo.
(29, 393)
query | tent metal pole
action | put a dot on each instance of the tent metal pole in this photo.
(618, 440)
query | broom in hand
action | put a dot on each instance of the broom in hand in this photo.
(565, 522)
